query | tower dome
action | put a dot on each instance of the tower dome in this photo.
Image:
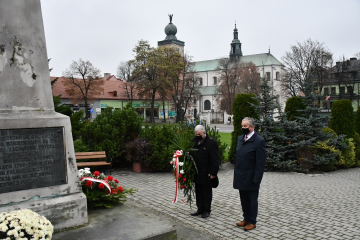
(170, 31)
(171, 40)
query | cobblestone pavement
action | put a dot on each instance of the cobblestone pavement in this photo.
(291, 205)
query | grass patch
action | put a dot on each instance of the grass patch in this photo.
(226, 138)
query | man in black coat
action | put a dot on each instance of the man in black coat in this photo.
(249, 169)
(207, 162)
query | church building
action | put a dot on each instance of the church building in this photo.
(206, 107)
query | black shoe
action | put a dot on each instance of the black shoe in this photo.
(205, 215)
(197, 213)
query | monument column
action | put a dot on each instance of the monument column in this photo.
(37, 164)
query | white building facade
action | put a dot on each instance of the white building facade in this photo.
(207, 106)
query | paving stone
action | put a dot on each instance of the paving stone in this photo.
(291, 205)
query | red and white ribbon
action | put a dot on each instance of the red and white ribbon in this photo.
(107, 185)
(176, 156)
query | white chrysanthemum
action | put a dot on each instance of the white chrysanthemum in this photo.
(181, 163)
(87, 169)
(182, 171)
(4, 228)
(29, 230)
(27, 220)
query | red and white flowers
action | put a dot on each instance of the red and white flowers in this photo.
(101, 190)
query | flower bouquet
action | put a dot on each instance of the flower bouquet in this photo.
(184, 167)
(24, 224)
(102, 191)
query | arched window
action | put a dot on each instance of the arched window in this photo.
(207, 105)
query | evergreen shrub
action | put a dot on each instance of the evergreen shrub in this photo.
(294, 108)
(159, 137)
(323, 149)
(357, 121)
(79, 146)
(241, 108)
(342, 120)
(111, 130)
(357, 148)
(329, 131)
(347, 159)
(214, 134)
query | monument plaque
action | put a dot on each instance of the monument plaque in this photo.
(31, 158)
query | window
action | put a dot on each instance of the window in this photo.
(326, 91)
(194, 101)
(268, 76)
(349, 90)
(215, 80)
(200, 81)
(325, 104)
(207, 105)
(333, 90)
(277, 75)
(342, 90)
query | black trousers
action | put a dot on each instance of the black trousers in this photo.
(203, 194)
(249, 204)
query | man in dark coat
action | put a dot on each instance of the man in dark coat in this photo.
(249, 169)
(207, 162)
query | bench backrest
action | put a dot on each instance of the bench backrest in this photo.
(88, 155)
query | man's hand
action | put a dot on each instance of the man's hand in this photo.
(211, 177)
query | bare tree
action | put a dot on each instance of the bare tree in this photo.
(250, 79)
(229, 71)
(301, 63)
(125, 72)
(321, 70)
(186, 87)
(83, 83)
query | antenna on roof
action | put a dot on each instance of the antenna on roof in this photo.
(269, 49)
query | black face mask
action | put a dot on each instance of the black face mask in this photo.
(245, 131)
(199, 138)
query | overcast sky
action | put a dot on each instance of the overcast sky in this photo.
(105, 31)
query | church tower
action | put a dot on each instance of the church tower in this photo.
(235, 51)
(171, 40)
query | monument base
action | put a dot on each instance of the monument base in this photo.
(62, 212)
(38, 167)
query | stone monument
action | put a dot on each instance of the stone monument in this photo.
(37, 164)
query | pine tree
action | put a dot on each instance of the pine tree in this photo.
(278, 146)
(307, 132)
